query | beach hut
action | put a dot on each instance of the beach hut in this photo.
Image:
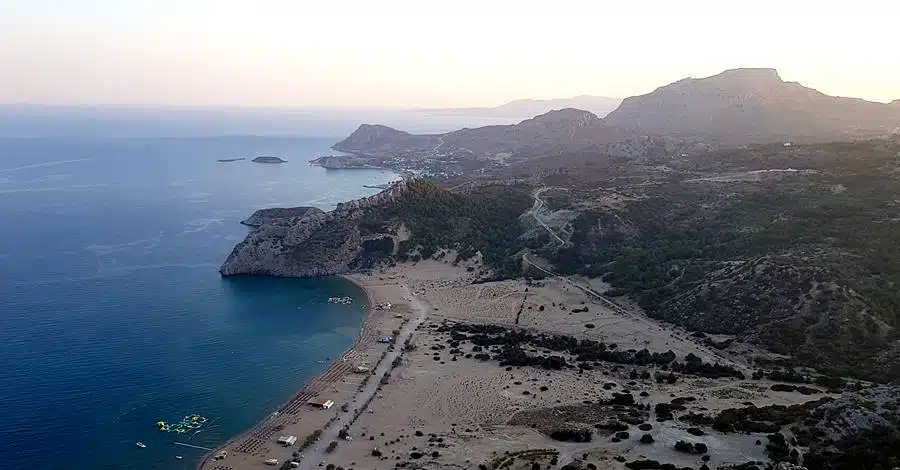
(321, 403)
(361, 370)
(287, 441)
(384, 339)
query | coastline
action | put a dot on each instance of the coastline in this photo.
(254, 438)
(432, 403)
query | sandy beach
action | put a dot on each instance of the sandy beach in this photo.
(438, 405)
(341, 383)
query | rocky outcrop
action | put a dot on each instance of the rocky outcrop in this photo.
(268, 216)
(304, 241)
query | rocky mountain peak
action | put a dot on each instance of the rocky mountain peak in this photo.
(750, 105)
(567, 116)
(750, 74)
(375, 131)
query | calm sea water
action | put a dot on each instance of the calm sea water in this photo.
(113, 314)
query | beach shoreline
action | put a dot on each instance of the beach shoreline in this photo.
(372, 326)
(370, 305)
(432, 396)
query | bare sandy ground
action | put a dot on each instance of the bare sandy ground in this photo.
(442, 410)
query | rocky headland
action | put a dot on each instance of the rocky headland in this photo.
(304, 241)
(344, 162)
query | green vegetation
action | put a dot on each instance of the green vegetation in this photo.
(807, 263)
(877, 449)
(485, 220)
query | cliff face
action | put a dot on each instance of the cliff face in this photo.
(304, 241)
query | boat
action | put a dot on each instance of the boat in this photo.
(178, 457)
(140, 444)
(340, 300)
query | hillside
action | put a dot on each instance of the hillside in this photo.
(803, 262)
(752, 105)
(553, 132)
(307, 242)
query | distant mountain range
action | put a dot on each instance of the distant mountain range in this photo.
(599, 105)
(735, 107)
(752, 105)
(552, 132)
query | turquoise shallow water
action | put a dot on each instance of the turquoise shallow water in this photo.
(112, 312)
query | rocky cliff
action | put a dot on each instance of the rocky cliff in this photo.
(268, 216)
(304, 241)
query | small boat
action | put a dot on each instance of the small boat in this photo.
(340, 300)
(178, 457)
(140, 444)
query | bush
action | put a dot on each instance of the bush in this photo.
(695, 431)
(643, 465)
(646, 439)
(331, 447)
(572, 435)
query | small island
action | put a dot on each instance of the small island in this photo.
(267, 159)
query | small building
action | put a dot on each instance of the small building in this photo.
(287, 441)
(321, 403)
(384, 339)
(361, 370)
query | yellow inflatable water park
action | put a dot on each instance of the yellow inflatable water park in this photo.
(188, 423)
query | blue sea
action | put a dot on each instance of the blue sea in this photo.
(112, 311)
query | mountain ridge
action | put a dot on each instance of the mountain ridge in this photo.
(744, 105)
(553, 132)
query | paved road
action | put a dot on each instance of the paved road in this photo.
(313, 457)
(538, 204)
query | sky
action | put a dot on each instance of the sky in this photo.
(445, 53)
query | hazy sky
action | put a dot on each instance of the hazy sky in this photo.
(428, 53)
